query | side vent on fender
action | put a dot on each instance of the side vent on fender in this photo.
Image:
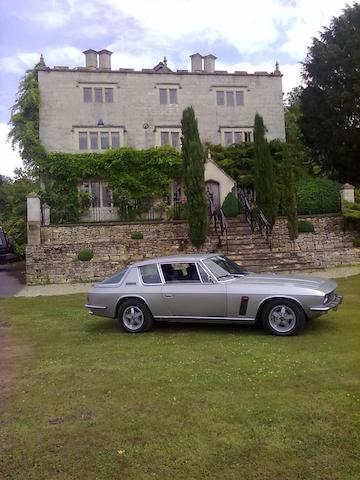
(243, 305)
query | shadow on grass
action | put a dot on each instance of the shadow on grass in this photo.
(111, 326)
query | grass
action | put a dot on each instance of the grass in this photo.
(183, 401)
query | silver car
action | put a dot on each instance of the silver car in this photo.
(210, 288)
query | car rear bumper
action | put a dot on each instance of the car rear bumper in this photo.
(333, 305)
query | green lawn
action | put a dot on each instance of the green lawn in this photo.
(183, 401)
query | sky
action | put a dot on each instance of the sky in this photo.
(244, 35)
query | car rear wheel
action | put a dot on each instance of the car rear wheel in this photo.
(134, 316)
(283, 317)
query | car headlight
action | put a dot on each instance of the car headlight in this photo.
(327, 298)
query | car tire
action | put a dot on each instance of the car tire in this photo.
(134, 316)
(283, 317)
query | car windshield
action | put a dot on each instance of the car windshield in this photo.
(223, 267)
(115, 278)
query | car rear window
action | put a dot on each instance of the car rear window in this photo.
(115, 278)
(150, 274)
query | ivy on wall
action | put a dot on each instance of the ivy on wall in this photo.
(135, 177)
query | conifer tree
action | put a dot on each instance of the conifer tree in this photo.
(267, 197)
(194, 183)
(289, 203)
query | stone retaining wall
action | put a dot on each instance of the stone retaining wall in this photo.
(330, 245)
(55, 260)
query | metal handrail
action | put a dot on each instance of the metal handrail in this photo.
(221, 225)
(254, 215)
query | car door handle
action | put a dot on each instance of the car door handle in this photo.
(168, 295)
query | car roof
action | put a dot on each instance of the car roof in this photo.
(174, 258)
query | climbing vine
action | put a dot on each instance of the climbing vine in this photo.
(135, 177)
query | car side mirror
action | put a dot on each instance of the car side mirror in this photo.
(210, 279)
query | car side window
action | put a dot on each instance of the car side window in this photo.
(180, 272)
(204, 276)
(150, 274)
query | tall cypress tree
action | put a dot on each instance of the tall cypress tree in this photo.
(194, 182)
(289, 203)
(267, 196)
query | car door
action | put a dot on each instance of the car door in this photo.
(187, 295)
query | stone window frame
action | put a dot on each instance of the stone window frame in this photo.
(112, 131)
(165, 95)
(247, 134)
(90, 94)
(160, 130)
(237, 94)
(87, 186)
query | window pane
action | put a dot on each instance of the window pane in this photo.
(109, 95)
(163, 96)
(228, 138)
(237, 137)
(94, 141)
(106, 195)
(220, 97)
(164, 138)
(104, 140)
(83, 140)
(239, 98)
(150, 274)
(98, 95)
(95, 194)
(87, 95)
(204, 276)
(247, 136)
(115, 139)
(230, 99)
(173, 95)
(175, 139)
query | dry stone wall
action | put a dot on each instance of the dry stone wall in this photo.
(330, 245)
(55, 259)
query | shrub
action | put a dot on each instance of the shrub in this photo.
(230, 207)
(137, 235)
(85, 255)
(318, 195)
(305, 227)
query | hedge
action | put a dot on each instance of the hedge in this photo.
(318, 195)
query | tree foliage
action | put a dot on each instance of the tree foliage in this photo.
(236, 160)
(288, 200)
(329, 103)
(267, 196)
(24, 119)
(193, 173)
(13, 194)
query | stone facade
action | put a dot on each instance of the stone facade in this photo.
(139, 106)
(55, 259)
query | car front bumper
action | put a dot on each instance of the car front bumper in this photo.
(332, 305)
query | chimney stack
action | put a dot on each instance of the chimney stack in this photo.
(196, 62)
(209, 63)
(105, 59)
(90, 58)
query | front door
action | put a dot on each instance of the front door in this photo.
(186, 296)
(212, 189)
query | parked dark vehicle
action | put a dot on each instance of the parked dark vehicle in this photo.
(7, 248)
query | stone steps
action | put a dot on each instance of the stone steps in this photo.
(250, 250)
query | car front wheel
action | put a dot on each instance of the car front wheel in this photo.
(283, 317)
(134, 316)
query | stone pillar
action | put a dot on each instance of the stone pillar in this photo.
(347, 193)
(33, 219)
(46, 214)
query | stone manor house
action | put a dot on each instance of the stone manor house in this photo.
(93, 108)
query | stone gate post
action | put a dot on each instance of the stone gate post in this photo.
(347, 193)
(33, 219)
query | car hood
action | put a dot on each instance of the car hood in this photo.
(300, 281)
